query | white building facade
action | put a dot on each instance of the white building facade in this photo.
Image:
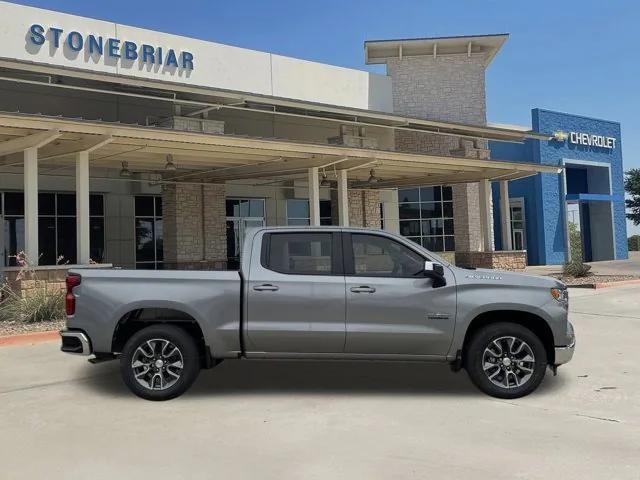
(141, 149)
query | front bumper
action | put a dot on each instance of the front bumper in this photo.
(564, 354)
(75, 341)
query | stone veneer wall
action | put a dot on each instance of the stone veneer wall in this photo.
(364, 208)
(51, 279)
(447, 88)
(194, 222)
(515, 260)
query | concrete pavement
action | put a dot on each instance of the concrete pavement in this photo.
(61, 417)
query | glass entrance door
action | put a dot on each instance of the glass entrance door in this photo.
(242, 214)
(518, 236)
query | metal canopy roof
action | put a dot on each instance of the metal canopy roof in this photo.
(199, 98)
(221, 158)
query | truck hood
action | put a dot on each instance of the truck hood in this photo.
(483, 275)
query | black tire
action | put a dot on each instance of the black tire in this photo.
(156, 335)
(474, 360)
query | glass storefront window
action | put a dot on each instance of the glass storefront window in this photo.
(298, 212)
(56, 227)
(149, 233)
(426, 217)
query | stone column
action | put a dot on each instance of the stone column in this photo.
(356, 214)
(215, 223)
(466, 217)
(194, 220)
(364, 208)
(182, 215)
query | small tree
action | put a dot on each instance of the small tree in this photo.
(634, 243)
(632, 186)
(575, 243)
(575, 267)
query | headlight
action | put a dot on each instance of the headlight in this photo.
(561, 295)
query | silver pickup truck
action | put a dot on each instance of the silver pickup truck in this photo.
(320, 293)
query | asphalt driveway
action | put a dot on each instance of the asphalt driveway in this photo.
(61, 417)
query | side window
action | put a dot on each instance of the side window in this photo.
(383, 257)
(300, 253)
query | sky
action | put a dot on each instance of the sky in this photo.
(578, 57)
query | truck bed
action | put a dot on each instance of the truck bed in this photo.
(211, 298)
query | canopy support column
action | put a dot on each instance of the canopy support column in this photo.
(343, 199)
(505, 215)
(31, 248)
(82, 208)
(486, 218)
(314, 197)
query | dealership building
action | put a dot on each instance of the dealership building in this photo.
(141, 149)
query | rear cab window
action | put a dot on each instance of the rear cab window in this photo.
(302, 253)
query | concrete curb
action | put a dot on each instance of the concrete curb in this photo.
(595, 286)
(29, 338)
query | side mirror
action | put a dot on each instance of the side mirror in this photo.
(435, 271)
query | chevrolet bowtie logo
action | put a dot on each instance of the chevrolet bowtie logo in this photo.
(560, 136)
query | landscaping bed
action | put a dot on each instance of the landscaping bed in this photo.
(590, 281)
(19, 328)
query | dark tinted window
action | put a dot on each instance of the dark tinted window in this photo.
(300, 253)
(383, 257)
(96, 241)
(158, 206)
(47, 240)
(46, 204)
(66, 204)
(144, 206)
(13, 203)
(66, 233)
(145, 240)
(96, 205)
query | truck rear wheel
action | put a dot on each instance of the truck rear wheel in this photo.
(505, 360)
(160, 362)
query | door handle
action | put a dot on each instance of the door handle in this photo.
(363, 289)
(267, 287)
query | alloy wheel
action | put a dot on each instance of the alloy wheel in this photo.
(157, 364)
(508, 362)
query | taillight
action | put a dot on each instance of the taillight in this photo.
(72, 281)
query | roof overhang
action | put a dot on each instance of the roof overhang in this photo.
(195, 99)
(379, 51)
(222, 158)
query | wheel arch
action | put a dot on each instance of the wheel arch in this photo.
(533, 322)
(139, 318)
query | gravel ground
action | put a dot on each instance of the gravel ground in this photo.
(18, 328)
(591, 279)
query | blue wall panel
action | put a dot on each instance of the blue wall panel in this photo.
(543, 193)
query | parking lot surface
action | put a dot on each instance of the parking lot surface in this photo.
(61, 417)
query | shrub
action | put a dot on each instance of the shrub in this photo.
(575, 242)
(576, 269)
(634, 243)
(38, 305)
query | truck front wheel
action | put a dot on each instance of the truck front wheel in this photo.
(159, 362)
(505, 360)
